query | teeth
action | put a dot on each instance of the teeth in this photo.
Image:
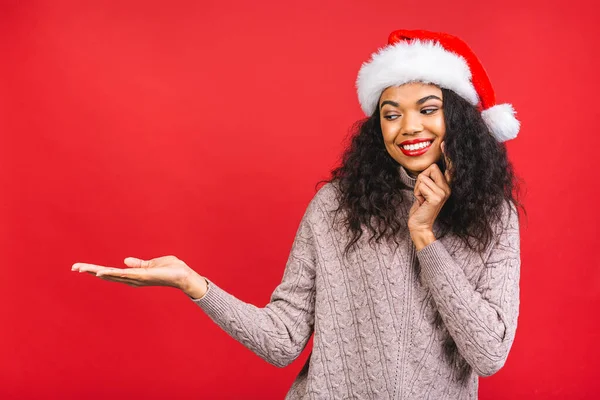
(417, 146)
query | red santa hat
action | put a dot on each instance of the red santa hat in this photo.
(440, 59)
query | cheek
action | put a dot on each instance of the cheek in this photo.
(439, 126)
(389, 133)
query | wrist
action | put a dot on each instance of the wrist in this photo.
(422, 239)
(195, 286)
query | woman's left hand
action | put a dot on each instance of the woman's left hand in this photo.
(432, 189)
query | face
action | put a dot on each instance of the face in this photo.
(412, 123)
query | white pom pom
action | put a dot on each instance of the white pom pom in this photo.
(501, 121)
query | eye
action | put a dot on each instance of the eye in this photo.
(391, 117)
(429, 111)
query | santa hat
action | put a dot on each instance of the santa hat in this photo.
(440, 59)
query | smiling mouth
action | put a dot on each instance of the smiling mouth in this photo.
(416, 149)
(418, 146)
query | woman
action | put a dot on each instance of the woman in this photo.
(406, 263)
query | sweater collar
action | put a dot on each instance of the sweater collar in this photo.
(406, 178)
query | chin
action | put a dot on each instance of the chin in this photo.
(418, 166)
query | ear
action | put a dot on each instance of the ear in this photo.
(447, 172)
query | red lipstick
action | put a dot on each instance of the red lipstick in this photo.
(415, 152)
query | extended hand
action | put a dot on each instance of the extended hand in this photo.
(161, 271)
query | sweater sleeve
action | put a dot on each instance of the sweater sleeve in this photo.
(279, 331)
(482, 320)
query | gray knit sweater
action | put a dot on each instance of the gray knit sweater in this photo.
(388, 323)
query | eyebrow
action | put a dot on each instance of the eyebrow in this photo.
(420, 101)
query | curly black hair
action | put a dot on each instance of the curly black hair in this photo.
(483, 179)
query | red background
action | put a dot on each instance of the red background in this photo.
(199, 129)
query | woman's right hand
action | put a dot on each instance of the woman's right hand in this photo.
(161, 271)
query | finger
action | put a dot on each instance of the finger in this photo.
(134, 262)
(165, 260)
(77, 266)
(84, 267)
(132, 273)
(427, 181)
(126, 281)
(448, 172)
(430, 194)
(434, 172)
(448, 176)
(418, 194)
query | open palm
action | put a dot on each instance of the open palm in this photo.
(161, 271)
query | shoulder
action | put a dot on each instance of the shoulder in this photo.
(328, 194)
(506, 230)
(509, 218)
(324, 202)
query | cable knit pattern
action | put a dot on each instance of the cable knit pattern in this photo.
(388, 323)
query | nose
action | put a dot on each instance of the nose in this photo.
(411, 123)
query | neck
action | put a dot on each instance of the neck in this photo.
(408, 178)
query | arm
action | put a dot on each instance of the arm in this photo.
(278, 332)
(482, 320)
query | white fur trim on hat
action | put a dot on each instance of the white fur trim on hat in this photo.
(501, 121)
(416, 61)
